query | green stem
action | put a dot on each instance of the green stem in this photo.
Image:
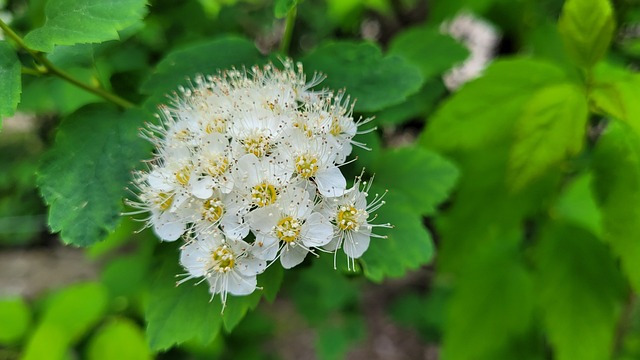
(288, 31)
(54, 70)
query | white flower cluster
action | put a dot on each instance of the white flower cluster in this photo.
(247, 172)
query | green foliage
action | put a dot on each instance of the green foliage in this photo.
(614, 94)
(423, 176)
(202, 59)
(577, 205)
(66, 318)
(374, 80)
(617, 187)
(579, 291)
(428, 49)
(15, 316)
(119, 339)
(11, 85)
(587, 28)
(282, 7)
(83, 177)
(84, 21)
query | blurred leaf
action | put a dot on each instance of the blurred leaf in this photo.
(615, 93)
(580, 293)
(408, 244)
(587, 28)
(83, 176)
(416, 107)
(428, 49)
(178, 66)
(119, 339)
(336, 338)
(551, 127)
(616, 173)
(11, 86)
(423, 176)
(51, 94)
(67, 317)
(126, 275)
(15, 317)
(282, 7)
(492, 304)
(577, 205)
(430, 320)
(373, 80)
(470, 119)
(444, 10)
(319, 291)
(84, 21)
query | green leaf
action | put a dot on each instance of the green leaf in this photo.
(282, 7)
(469, 119)
(578, 206)
(10, 86)
(615, 94)
(580, 293)
(67, 317)
(416, 107)
(551, 127)
(131, 344)
(84, 21)
(423, 176)
(428, 49)
(83, 176)
(15, 316)
(335, 339)
(492, 304)
(408, 244)
(177, 67)
(374, 80)
(176, 314)
(616, 170)
(587, 27)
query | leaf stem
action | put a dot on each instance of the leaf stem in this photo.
(288, 31)
(50, 68)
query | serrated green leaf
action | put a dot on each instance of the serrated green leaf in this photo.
(428, 49)
(577, 205)
(84, 21)
(205, 59)
(408, 244)
(579, 291)
(551, 127)
(10, 86)
(15, 316)
(121, 339)
(374, 80)
(282, 7)
(587, 28)
(616, 170)
(423, 176)
(492, 305)
(83, 176)
(615, 94)
(469, 119)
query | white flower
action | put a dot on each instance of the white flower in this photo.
(291, 226)
(228, 265)
(350, 215)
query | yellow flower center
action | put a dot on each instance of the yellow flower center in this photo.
(164, 201)
(218, 164)
(222, 260)
(288, 229)
(306, 166)
(257, 145)
(347, 218)
(263, 194)
(216, 125)
(183, 175)
(335, 129)
(213, 209)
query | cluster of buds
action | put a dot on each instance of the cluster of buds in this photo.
(247, 173)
